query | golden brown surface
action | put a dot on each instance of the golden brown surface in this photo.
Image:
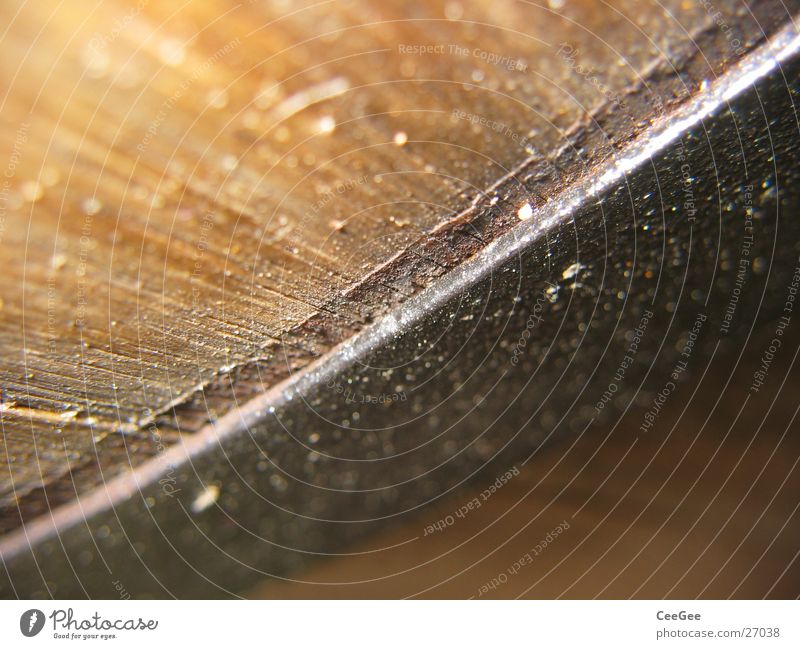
(200, 198)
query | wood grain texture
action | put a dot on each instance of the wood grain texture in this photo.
(199, 199)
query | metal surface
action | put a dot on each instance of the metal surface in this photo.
(198, 203)
(514, 348)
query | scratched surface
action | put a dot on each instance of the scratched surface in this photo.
(199, 200)
(461, 382)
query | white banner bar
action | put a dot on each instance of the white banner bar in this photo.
(400, 624)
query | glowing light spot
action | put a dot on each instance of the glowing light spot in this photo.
(230, 162)
(31, 191)
(91, 206)
(327, 125)
(453, 11)
(58, 261)
(218, 98)
(171, 52)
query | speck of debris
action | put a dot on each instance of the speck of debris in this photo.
(207, 497)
